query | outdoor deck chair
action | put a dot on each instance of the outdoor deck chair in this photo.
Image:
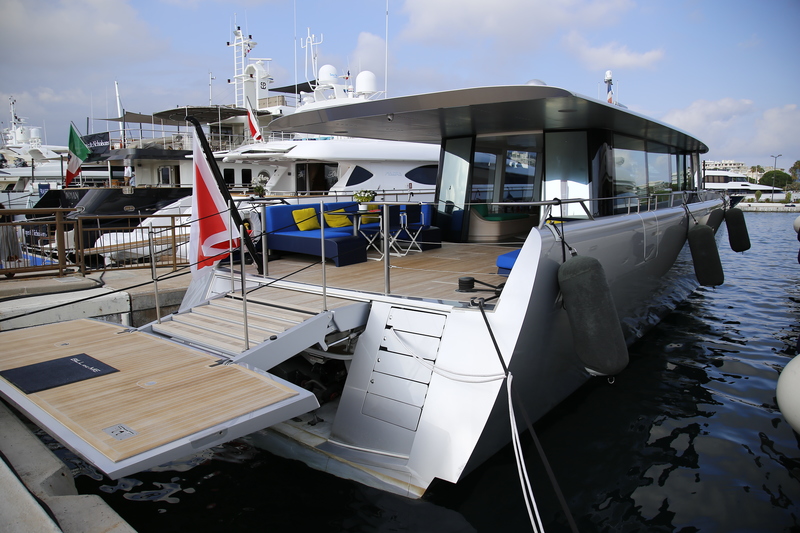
(413, 222)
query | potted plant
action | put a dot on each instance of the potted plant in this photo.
(363, 197)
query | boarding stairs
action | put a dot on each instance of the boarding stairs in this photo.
(275, 332)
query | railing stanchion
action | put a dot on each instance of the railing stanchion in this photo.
(244, 286)
(62, 256)
(264, 250)
(322, 244)
(230, 244)
(153, 272)
(386, 265)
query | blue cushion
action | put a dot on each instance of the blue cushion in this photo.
(506, 262)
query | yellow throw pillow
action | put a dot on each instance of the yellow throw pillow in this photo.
(337, 221)
(366, 219)
(306, 219)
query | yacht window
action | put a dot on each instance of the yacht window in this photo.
(230, 176)
(658, 168)
(520, 178)
(358, 176)
(452, 194)
(331, 176)
(247, 176)
(484, 172)
(567, 170)
(424, 175)
(165, 175)
(630, 162)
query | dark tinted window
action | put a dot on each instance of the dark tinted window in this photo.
(425, 175)
(229, 176)
(359, 175)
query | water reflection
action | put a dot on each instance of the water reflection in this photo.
(688, 438)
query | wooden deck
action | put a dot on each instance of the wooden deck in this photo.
(163, 391)
(430, 274)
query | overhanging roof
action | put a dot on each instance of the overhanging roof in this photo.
(138, 118)
(205, 114)
(500, 110)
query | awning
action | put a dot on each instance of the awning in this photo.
(205, 114)
(138, 118)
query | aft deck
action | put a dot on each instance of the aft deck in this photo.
(432, 274)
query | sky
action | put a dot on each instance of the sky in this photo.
(725, 71)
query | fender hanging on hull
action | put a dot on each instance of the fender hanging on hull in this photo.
(715, 219)
(705, 256)
(738, 237)
(596, 332)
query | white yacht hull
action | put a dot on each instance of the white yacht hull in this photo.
(398, 425)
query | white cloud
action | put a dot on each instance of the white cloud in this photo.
(56, 37)
(735, 129)
(511, 22)
(370, 54)
(610, 55)
(776, 131)
(707, 116)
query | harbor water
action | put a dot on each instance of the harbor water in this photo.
(688, 438)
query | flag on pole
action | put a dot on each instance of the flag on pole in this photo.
(252, 122)
(211, 232)
(78, 152)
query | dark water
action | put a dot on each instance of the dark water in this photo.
(688, 438)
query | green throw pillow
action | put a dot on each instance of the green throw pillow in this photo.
(306, 219)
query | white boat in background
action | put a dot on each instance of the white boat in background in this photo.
(410, 359)
(733, 183)
(28, 167)
(299, 164)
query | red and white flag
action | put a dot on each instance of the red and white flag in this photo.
(252, 123)
(211, 232)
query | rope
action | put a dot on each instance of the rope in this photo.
(524, 481)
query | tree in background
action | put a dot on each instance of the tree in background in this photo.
(775, 178)
(795, 170)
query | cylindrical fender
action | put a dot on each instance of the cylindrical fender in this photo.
(737, 230)
(596, 331)
(715, 219)
(705, 256)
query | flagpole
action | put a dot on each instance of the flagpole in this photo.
(212, 163)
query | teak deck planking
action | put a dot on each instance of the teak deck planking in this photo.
(429, 274)
(153, 374)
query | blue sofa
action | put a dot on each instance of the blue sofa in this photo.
(341, 245)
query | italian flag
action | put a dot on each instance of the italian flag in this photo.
(78, 151)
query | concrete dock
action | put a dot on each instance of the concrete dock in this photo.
(39, 491)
